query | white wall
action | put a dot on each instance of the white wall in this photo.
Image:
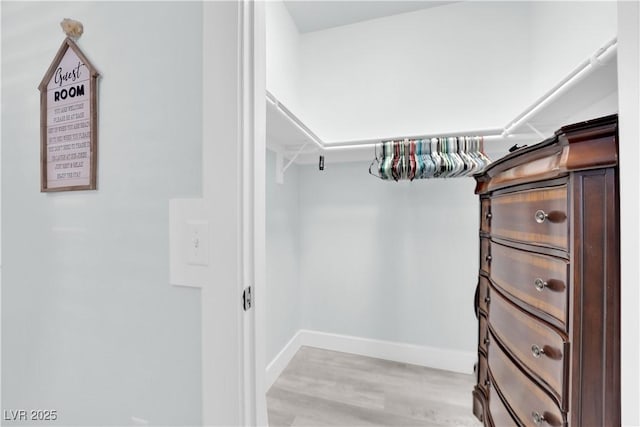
(90, 326)
(463, 66)
(629, 98)
(282, 55)
(389, 261)
(452, 68)
(563, 35)
(283, 257)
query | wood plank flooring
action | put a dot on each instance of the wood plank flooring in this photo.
(328, 388)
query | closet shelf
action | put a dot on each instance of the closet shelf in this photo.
(285, 131)
(589, 91)
(289, 137)
(290, 131)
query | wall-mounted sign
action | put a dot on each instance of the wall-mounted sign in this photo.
(68, 122)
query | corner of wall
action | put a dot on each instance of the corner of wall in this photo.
(283, 248)
(430, 357)
(300, 285)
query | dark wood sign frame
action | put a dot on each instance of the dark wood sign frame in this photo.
(68, 43)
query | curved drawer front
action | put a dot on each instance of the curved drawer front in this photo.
(499, 412)
(483, 297)
(532, 216)
(539, 280)
(485, 215)
(483, 335)
(485, 255)
(483, 379)
(536, 345)
(529, 402)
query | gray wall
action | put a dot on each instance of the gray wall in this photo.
(393, 261)
(283, 258)
(350, 254)
(90, 325)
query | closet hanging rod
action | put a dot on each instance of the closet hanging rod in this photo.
(486, 134)
(583, 70)
(600, 56)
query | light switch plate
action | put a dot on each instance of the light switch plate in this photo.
(189, 243)
(197, 242)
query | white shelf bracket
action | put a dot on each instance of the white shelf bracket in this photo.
(280, 170)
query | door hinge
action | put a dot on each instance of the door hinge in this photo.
(247, 298)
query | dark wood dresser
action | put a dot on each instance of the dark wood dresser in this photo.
(548, 298)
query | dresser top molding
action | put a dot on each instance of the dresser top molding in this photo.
(587, 145)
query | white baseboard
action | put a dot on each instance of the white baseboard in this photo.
(431, 357)
(282, 359)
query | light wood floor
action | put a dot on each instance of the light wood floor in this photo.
(328, 388)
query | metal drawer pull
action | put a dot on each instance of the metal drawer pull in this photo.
(541, 216)
(540, 284)
(537, 351)
(537, 418)
(487, 299)
(488, 215)
(487, 382)
(486, 341)
(488, 258)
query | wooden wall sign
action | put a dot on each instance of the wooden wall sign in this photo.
(68, 122)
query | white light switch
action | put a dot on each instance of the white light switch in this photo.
(189, 243)
(197, 242)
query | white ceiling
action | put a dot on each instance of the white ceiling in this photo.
(314, 15)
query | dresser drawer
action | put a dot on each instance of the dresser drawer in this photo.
(485, 215)
(533, 216)
(483, 378)
(527, 400)
(483, 334)
(538, 280)
(485, 255)
(538, 346)
(499, 413)
(483, 294)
